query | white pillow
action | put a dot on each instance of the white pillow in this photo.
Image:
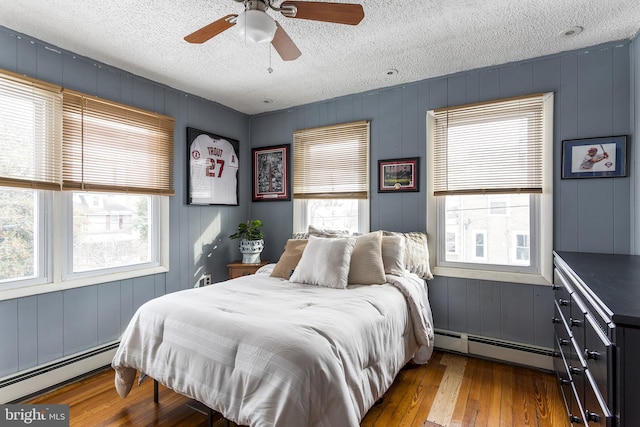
(393, 248)
(367, 267)
(325, 262)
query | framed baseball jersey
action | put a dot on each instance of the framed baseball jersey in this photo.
(213, 169)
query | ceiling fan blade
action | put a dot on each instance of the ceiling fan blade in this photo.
(209, 31)
(285, 47)
(340, 13)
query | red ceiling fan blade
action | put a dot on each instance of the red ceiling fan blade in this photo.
(340, 13)
(283, 44)
(209, 31)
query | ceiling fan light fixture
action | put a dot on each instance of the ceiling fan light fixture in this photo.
(256, 26)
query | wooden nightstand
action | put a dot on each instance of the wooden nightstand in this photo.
(238, 269)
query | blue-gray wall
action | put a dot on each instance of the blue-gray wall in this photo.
(592, 99)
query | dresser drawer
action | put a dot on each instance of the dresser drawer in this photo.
(577, 368)
(561, 326)
(576, 412)
(598, 354)
(562, 372)
(596, 412)
(576, 320)
(563, 291)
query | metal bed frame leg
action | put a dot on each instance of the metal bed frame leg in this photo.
(209, 415)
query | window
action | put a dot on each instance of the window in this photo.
(521, 247)
(331, 177)
(116, 162)
(122, 157)
(490, 185)
(479, 244)
(452, 243)
(498, 206)
(30, 143)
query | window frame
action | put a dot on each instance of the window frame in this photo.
(541, 222)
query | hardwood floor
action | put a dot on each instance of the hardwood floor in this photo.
(451, 390)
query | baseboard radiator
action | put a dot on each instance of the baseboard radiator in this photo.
(491, 348)
(26, 384)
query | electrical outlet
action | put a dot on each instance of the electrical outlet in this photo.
(205, 280)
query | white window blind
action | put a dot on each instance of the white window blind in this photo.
(115, 148)
(30, 133)
(490, 147)
(332, 162)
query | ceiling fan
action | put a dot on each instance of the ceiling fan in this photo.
(257, 26)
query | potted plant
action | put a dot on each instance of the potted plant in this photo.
(251, 240)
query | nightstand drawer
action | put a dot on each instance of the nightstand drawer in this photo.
(238, 269)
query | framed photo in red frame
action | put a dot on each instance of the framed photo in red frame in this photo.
(398, 175)
(271, 180)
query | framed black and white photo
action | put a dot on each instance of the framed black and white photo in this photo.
(271, 173)
(594, 157)
(212, 169)
(397, 175)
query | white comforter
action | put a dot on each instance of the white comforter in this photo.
(266, 352)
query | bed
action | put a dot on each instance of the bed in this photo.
(317, 347)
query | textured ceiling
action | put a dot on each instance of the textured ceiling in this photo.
(419, 38)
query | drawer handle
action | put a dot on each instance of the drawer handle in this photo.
(564, 342)
(592, 416)
(555, 320)
(555, 287)
(564, 382)
(575, 370)
(575, 420)
(563, 301)
(593, 355)
(575, 322)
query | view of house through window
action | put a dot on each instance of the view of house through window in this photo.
(480, 230)
(110, 230)
(339, 214)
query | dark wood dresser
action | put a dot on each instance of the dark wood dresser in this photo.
(597, 337)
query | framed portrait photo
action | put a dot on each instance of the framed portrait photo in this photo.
(397, 175)
(594, 157)
(271, 179)
(212, 169)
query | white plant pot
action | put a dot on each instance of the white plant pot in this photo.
(251, 250)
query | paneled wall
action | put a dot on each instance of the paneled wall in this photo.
(592, 98)
(39, 329)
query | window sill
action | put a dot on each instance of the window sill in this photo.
(492, 275)
(29, 290)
